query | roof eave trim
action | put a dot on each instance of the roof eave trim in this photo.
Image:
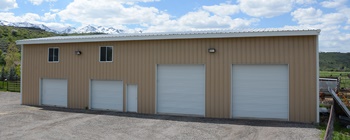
(170, 36)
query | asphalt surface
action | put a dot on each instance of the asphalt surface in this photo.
(34, 123)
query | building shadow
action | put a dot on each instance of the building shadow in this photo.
(247, 122)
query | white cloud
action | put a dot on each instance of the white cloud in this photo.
(305, 1)
(316, 16)
(202, 20)
(131, 2)
(33, 18)
(119, 15)
(135, 1)
(335, 42)
(333, 36)
(346, 27)
(222, 9)
(333, 3)
(333, 19)
(38, 2)
(346, 12)
(54, 10)
(111, 13)
(6, 5)
(48, 16)
(307, 15)
(56, 26)
(264, 8)
(28, 17)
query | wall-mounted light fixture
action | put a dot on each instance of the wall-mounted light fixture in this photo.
(211, 50)
(78, 52)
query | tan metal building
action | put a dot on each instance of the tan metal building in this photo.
(265, 74)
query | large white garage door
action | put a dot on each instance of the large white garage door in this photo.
(181, 89)
(54, 92)
(107, 95)
(260, 91)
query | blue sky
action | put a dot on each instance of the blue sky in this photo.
(331, 16)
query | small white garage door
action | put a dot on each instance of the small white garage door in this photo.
(181, 89)
(260, 91)
(54, 92)
(132, 98)
(107, 95)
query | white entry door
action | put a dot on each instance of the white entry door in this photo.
(260, 91)
(107, 95)
(132, 98)
(54, 92)
(181, 89)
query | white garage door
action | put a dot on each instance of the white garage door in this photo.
(54, 92)
(181, 89)
(260, 91)
(107, 95)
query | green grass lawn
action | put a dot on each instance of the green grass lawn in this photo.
(345, 80)
(339, 133)
(333, 74)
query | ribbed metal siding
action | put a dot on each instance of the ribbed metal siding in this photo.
(134, 62)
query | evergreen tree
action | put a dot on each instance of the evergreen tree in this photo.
(12, 58)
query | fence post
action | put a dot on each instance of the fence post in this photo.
(338, 86)
(330, 127)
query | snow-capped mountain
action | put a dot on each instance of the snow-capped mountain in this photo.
(110, 30)
(5, 23)
(26, 24)
(98, 29)
(68, 30)
(42, 26)
(87, 29)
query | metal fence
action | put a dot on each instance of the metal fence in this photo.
(344, 83)
(10, 85)
(343, 78)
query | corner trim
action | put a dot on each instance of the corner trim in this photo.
(317, 82)
(21, 88)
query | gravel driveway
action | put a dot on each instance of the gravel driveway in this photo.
(32, 123)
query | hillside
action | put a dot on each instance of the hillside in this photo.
(9, 34)
(68, 30)
(334, 61)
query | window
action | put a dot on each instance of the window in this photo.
(106, 54)
(53, 54)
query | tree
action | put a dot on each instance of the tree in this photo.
(12, 58)
(14, 32)
(3, 44)
(2, 60)
(3, 74)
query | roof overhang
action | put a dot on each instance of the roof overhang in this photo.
(169, 35)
